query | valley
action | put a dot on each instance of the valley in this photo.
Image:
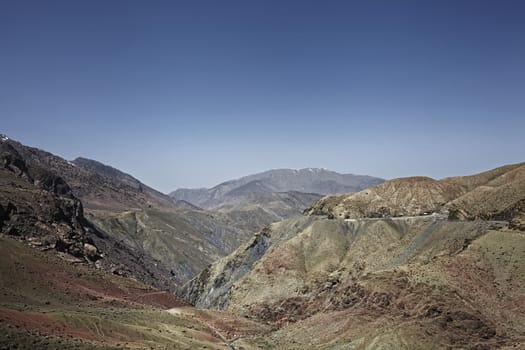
(91, 258)
(262, 175)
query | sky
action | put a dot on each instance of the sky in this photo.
(193, 93)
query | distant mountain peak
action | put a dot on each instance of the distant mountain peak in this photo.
(306, 180)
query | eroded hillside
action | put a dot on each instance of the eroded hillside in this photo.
(184, 241)
(495, 194)
(39, 208)
(138, 231)
(388, 267)
(408, 282)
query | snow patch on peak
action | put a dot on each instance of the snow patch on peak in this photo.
(315, 170)
(3, 138)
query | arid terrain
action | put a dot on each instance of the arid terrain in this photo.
(49, 303)
(394, 266)
(410, 263)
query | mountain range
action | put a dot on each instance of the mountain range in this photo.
(91, 258)
(493, 195)
(309, 180)
(411, 263)
(105, 207)
(179, 237)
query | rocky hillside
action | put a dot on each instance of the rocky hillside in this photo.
(495, 194)
(498, 194)
(183, 241)
(374, 272)
(123, 182)
(309, 180)
(98, 186)
(407, 283)
(39, 207)
(133, 223)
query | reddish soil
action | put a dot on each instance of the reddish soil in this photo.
(41, 323)
(104, 290)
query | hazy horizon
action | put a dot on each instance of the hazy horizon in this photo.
(193, 94)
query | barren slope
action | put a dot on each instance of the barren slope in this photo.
(49, 304)
(408, 283)
(98, 186)
(492, 194)
(386, 273)
(182, 241)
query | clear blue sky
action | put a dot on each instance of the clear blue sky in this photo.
(192, 93)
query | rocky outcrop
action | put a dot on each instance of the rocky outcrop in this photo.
(39, 207)
(212, 287)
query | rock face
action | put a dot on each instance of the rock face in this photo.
(310, 180)
(39, 207)
(212, 288)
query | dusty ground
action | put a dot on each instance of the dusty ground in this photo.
(49, 304)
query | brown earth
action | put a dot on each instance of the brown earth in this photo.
(407, 283)
(46, 303)
(497, 194)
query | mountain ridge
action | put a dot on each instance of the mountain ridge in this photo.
(126, 220)
(90, 182)
(38, 206)
(487, 195)
(306, 180)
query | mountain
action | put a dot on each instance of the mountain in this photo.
(373, 271)
(497, 194)
(256, 201)
(123, 181)
(39, 207)
(309, 180)
(182, 241)
(98, 186)
(128, 221)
